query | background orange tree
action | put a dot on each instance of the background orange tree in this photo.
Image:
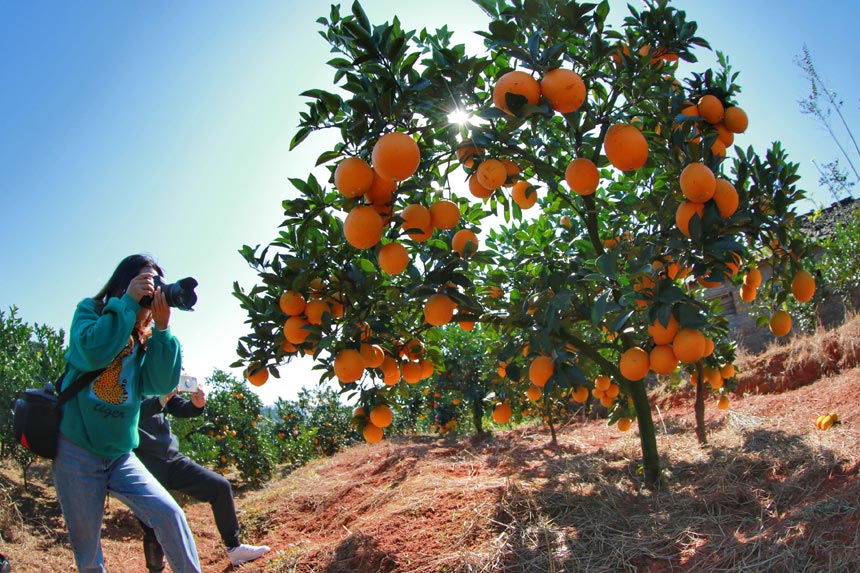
(578, 232)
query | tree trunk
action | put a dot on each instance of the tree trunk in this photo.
(647, 435)
(478, 415)
(701, 433)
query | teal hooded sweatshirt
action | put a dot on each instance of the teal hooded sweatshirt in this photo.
(102, 418)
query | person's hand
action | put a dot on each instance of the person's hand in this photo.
(166, 398)
(160, 310)
(142, 285)
(198, 397)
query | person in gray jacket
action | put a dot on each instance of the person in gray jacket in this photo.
(159, 452)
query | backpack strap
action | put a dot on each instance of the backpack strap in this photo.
(78, 385)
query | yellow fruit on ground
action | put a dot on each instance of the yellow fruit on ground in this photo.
(686, 210)
(292, 303)
(582, 176)
(372, 434)
(689, 345)
(353, 177)
(363, 227)
(396, 156)
(541, 370)
(381, 416)
(564, 90)
(803, 286)
(348, 365)
(464, 242)
(393, 258)
(515, 82)
(698, 182)
(625, 147)
(524, 194)
(780, 323)
(663, 334)
(439, 309)
(502, 413)
(634, 364)
(726, 198)
(663, 360)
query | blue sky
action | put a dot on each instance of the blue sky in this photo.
(164, 127)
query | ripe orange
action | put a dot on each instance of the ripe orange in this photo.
(444, 214)
(381, 190)
(292, 303)
(663, 334)
(353, 177)
(372, 434)
(416, 220)
(724, 135)
(726, 198)
(439, 309)
(464, 242)
(541, 370)
(582, 176)
(466, 153)
(709, 347)
(289, 347)
(727, 371)
(748, 293)
(634, 364)
(780, 323)
(515, 82)
(735, 119)
(803, 286)
(534, 393)
(413, 350)
(723, 403)
(363, 227)
(491, 174)
(314, 311)
(713, 377)
(625, 147)
(602, 383)
(524, 194)
(662, 359)
(294, 330)
(502, 413)
(257, 375)
(478, 190)
(685, 212)
(689, 345)
(467, 325)
(411, 372)
(381, 416)
(348, 365)
(393, 258)
(753, 278)
(698, 182)
(427, 368)
(711, 108)
(396, 156)
(511, 169)
(624, 424)
(580, 394)
(372, 354)
(564, 89)
(718, 148)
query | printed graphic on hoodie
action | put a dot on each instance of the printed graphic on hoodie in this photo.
(108, 386)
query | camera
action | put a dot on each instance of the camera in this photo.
(187, 384)
(179, 295)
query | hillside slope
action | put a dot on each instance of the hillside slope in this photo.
(770, 493)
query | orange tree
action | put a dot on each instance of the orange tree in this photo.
(607, 173)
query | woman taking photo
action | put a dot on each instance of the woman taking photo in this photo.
(98, 432)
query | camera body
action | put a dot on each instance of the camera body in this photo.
(179, 295)
(187, 383)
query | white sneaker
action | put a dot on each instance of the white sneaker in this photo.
(245, 553)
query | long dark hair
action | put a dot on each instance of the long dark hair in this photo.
(126, 270)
